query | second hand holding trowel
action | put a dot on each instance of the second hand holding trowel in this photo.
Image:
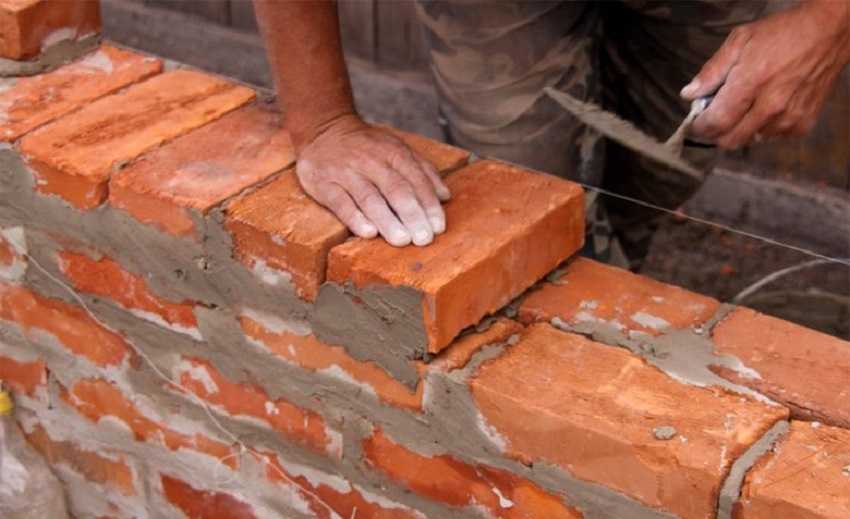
(668, 153)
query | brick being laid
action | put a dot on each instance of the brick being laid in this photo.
(507, 227)
(604, 415)
(805, 476)
(74, 156)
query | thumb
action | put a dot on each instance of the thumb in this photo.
(714, 71)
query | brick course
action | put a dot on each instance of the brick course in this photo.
(321, 375)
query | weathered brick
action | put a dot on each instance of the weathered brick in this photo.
(34, 101)
(69, 324)
(591, 292)
(329, 494)
(204, 504)
(444, 157)
(24, 377)
(279, 228)
(105, 277)
(28, 26)
(457, 484)
(91, 465)
(606, 416)
(806, 476)
(97, 399)
(74, 156)
(507, 227)
(290, 421)
(787, 359)
(309, 353)
(202, 169)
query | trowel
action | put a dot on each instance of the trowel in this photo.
(612, 126)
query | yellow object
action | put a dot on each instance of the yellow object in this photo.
(6, 404)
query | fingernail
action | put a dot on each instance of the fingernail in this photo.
(422, 236)
(443, 193)
(367, 230)
(437, 224)
(398, 238)
(690, 89)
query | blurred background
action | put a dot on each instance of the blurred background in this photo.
(796, 192)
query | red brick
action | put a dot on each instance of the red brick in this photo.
(507, 228)
(807, 476)
(457, 484)
(204, 504)
(200, 170)
(323, 498)
(24, 377)
(309, 353)
(97, 399)
(280, 227)
(26, 26)
(460, 351)
(105, 277)
(74, 156)
(593, 410)
(788, 359)
(37, 100)
(71, 325)
(92, 466)
(289, 420)
(590, 292)
(444, 157)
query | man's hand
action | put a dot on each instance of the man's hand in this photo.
(775, 74)
(373, 183)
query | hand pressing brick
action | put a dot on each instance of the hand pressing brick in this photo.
(806, 476)
(198, 171)
(507, 227)
(605, 416)
(35, 101)
(74, 156)
(444, 157)
(28, 26)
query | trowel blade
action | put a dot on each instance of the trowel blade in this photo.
(623, 132)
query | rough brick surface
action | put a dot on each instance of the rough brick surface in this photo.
(27, 26)
(292, 422)
(200, 170)
(594, 410)
(806, 370)
(204, 504)
(282, 233)
(34, 101)
(450, 481)
(309, 353)
(112, 471)
(507, 228)
(74, 156)
(24, 377)
(807, 476)
(68, 324)
(592, 292)
(105, 277)
(97, 399)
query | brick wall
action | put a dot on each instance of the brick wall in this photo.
(188, 335)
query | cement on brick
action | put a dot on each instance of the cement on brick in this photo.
(731, 489)
(381, 324)
(53, 56)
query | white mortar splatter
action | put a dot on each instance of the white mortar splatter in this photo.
(650, 321)
(197, 373)
(278, 325)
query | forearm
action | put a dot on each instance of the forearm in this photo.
(303, 44)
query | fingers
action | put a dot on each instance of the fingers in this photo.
(731, 103)
(340, 203)
(416, 172)
(398, 190)
(764, 110)
(715, 71)
(371, 201)
(433, 175)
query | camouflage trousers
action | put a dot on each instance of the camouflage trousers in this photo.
(491, 60)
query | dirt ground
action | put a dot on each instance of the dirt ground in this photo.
(722, 264)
